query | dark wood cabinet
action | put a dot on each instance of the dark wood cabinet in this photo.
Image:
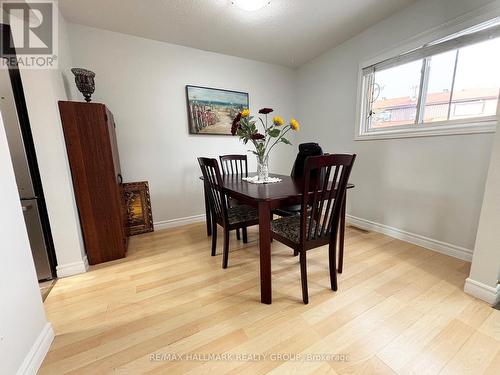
(89, 131)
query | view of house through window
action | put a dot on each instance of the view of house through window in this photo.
(440, 88)
(396, 92)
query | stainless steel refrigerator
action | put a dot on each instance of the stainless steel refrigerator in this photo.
(30, 195)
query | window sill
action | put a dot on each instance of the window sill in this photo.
(430, 130)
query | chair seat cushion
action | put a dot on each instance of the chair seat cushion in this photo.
(233, 202)
(288, 211)
(242, 214)
(289, 227)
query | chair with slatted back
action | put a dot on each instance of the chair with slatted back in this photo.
(305, 150)
(235, 165)
(318, 222)
(229, 218)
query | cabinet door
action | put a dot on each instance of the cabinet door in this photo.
(114, 144)
(119, 178)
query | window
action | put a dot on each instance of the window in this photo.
(448, 86)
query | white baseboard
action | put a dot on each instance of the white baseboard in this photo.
(178, 222)
(38, 351)
(482, 291)
(71, 269)
(416, 239)
(86, 263)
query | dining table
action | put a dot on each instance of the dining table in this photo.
(267, 198)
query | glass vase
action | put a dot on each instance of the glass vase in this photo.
(263, 168)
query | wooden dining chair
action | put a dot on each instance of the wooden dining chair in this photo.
(229, 218)
(318, 222)
(305, 150)
(235, 165)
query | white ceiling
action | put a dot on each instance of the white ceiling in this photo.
(285, 32)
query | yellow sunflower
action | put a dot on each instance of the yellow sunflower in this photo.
(278, 121)
(245, 113)
(295, 124)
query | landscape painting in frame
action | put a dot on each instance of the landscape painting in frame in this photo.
(211, 111)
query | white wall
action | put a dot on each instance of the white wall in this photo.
(143, 83)
(485, 269)
(43, 88)
(431, 187)
(25, 335)
(65, 60)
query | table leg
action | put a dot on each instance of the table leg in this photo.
(208, 214)
(342, 235)
(265, 252)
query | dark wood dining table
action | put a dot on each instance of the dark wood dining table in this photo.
(267, 198)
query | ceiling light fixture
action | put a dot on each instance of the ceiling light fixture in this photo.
(251, 5)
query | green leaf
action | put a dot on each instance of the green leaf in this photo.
(274, 132)
(286, 141)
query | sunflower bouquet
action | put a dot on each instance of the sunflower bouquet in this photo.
(245, 126)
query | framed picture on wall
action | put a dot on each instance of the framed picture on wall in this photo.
(211, 111)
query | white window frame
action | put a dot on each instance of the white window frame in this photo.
(449, 127)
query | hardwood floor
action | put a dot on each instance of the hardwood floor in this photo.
(400, 309)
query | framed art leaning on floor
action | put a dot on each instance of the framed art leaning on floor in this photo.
(138, 204)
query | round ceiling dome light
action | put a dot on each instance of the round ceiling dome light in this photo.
(251, 5)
